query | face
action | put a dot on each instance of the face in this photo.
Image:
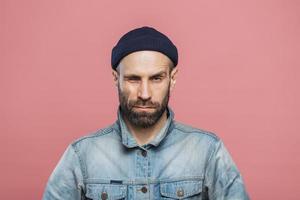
(144, 81)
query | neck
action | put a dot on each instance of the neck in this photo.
(145, 135)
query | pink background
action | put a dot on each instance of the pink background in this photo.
(238, 77)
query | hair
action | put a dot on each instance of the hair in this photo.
(171, 67)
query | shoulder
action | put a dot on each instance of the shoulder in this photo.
(195, 132)
(106, 132)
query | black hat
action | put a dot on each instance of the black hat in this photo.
(144, 38)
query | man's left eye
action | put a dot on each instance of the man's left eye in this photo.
(157, 78)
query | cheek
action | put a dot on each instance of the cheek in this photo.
(130, 91)
(159, 92)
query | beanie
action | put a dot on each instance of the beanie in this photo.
(144, 38)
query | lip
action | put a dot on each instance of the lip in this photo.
(144, 107)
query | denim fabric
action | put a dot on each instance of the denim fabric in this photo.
(180, 163)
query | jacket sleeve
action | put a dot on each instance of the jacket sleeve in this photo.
(66, 180)
(222, 178)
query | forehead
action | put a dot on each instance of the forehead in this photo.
(144, 63)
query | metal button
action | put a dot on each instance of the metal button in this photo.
(144, 153)
(144, 189)
(180, 192)
(104, 195)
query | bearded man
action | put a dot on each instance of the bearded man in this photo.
(146, 154)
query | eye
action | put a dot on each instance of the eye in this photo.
(133, 79)
(157, 78)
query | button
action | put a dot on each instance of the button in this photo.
(180, 192)
(144, 153)
(104, 195)
(144, 189)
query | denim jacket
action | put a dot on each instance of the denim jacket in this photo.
(181, 162)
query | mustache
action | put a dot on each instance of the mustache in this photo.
(143, 103)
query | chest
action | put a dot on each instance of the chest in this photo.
(169, 172)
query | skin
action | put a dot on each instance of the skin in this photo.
(147, 76)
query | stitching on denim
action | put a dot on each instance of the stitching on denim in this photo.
(98, 133)
(212, 150)
(184, 128)
(149, 180)
(82, 167)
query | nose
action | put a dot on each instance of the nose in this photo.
(144, 91)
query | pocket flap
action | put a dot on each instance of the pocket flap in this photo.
(180, 189)
(106, 191)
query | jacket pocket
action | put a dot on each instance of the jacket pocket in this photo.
(106, 191)
(181, 190)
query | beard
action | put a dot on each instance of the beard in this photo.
(142, 119)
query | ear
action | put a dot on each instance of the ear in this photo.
(115, 77)
(173, 78)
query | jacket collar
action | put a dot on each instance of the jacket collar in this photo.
(129, 141)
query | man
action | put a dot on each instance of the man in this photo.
(145, 154)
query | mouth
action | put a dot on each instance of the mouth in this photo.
(144, 107)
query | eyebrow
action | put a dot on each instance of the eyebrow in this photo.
(161, 73)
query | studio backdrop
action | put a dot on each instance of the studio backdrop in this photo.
(238, 77)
